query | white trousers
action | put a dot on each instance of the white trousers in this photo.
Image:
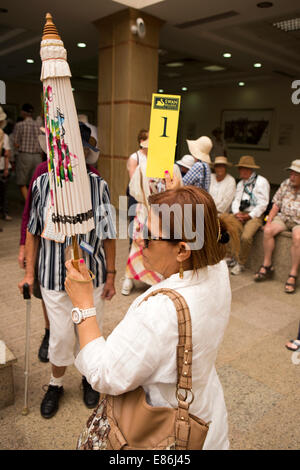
(63, 342)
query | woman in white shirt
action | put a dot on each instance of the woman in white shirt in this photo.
(141, 351)
(222, 185)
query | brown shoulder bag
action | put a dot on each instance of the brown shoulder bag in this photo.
(128, 422)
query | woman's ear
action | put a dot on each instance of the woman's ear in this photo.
(184, 252)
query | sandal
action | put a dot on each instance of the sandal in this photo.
(259, 276)
(286, 289)
(296, 342)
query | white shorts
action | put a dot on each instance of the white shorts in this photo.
(63, 342)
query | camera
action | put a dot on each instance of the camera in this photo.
(244, 205)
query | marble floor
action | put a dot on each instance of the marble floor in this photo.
(260, 381)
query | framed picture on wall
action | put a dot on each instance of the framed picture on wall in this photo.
(247, 128)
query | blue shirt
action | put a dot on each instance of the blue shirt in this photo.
(198, 175)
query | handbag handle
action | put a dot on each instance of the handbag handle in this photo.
(184, 347)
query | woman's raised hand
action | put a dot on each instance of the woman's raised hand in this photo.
(79, 285)
(171, 183)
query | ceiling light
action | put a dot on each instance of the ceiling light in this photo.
(138, 4)
(175, 64)
(264, 4)
(81, 44)
(288, 25)
(160, 90)
(214, 68)
(73, 89)
(227, 55)
(30, 61)
(90, 77)
(257, 65)
(241, 83)
(184, 88)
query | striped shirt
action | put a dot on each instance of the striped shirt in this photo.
(198, 175)
(52, 270)
(26, 136)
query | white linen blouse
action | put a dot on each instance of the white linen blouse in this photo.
(141, 350)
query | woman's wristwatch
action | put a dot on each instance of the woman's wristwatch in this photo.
(79, 315)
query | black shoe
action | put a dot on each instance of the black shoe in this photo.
(90, 396)
(43, 351)
(49, 405)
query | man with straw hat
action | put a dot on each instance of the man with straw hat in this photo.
(249, 204)
(222, 185)
(199, 174)
(284, 215)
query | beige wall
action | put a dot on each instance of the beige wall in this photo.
(203, 110)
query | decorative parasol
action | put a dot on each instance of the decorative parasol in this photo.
(71, 204)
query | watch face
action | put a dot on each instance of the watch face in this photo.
(76, 316)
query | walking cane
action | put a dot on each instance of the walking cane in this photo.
(27, 297)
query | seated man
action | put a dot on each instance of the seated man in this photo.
(222, 185)
(284, 215)
(249, 204)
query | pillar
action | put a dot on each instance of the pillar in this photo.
(127, 77)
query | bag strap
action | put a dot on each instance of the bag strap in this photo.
(184, 366)
(184, 347)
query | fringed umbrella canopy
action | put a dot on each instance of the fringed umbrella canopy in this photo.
(71, 204)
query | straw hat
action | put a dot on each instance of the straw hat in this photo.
(200, 148)
(187, 161)
(221, 161)
(3, 117)
(295, 166)
(247, 162)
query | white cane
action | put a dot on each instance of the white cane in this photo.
(27, 297)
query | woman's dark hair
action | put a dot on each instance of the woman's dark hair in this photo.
(142, 135)
(216, 227)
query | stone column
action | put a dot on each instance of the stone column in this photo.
(128, 72)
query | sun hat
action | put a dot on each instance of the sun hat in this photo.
(247, 162)
(200, 148)
(221, 161)
(187, 161)
(295, 166)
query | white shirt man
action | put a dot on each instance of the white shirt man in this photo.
(222, 185)
(249, 204)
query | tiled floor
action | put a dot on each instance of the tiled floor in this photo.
(261, 383)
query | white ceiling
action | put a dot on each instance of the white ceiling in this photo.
(196, 32)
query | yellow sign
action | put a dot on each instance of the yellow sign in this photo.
(162, 135)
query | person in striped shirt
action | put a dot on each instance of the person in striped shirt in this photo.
(100, 258)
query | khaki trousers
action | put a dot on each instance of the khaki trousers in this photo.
(247, 232)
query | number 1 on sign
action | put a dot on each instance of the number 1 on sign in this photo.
(165, 127)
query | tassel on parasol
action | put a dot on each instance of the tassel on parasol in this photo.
(71, 204)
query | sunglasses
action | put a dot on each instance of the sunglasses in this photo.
(147, 238)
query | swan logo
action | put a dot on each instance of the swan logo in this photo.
(171, 104)
(2, 92)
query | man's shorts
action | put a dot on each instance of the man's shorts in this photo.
(26, 164)
(63, 341)
(287, 225)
